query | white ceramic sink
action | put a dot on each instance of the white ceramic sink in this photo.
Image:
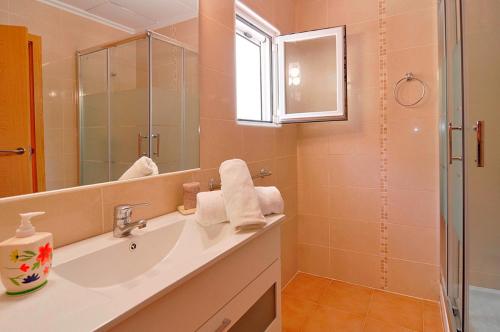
(124, 259)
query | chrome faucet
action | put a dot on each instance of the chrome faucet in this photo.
(122, 223)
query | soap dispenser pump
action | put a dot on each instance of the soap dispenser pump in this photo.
(26, 258)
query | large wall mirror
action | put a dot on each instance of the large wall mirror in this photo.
(95, 91)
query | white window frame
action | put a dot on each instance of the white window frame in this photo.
(248, 21)
(273, 95)
(340, 113)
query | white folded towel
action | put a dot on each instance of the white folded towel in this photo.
(240, 197)
(143, 166)
(210, 208)
(270, 200)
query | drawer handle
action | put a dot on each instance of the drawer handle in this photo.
(225, 323)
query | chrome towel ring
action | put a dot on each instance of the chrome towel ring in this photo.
(407, 78)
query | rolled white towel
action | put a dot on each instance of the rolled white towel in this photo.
(270, 200)
(143, 166)
(240, 197)
(210, 208)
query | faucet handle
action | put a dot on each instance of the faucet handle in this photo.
(125, 210)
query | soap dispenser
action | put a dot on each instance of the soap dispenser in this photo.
(26, 258)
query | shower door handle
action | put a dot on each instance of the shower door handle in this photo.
(479, 128)
(157, 137)
(140, 137)
(451, 128)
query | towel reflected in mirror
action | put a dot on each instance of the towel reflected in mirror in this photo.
(142, 167)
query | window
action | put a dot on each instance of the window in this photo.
(253, 72)
(300, 77)
(312, 76)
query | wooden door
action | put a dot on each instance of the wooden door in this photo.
(15, 169)
(36, 112)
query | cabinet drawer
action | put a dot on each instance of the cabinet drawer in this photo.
(255, 309)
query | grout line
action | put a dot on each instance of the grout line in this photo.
(406, 12)
(368, 310)
(289, 281)
(395, 50)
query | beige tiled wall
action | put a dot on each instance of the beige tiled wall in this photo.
(75, 214)
(185, 32)
(367, 188)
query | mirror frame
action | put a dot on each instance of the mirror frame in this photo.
(340, 114)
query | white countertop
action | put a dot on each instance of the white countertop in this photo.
(65, 306)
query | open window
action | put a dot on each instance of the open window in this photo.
(254, 72)
(311, 76)
(299, 77)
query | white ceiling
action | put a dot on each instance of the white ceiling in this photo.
(134, 15)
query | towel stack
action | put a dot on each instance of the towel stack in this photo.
(239, 201)
(211, 209)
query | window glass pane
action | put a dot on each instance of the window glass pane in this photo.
(248, 80)
(311, 75)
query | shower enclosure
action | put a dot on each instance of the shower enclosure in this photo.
(469, 70)
(137, 97)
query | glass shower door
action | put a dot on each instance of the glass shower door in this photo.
(94, 120)
(175, 106)
(128, 105)
(167, 105)
(455, 155)
(481, 63)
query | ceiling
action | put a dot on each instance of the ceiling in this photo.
(132, 15)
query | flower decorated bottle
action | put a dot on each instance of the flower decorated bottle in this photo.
(26, 259)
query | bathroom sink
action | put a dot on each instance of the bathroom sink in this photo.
(123, 260)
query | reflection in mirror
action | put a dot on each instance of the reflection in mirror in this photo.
(312, 75)
(87, 90)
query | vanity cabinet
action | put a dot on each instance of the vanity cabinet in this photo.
(240, 292)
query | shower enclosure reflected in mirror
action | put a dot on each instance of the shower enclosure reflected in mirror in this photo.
(89, 88)
(137, 98)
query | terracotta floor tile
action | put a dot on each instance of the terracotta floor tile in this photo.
(397, 309)
(347, 297)
(325, 319)
(306, 287)
(294, 312)
(432, 317)
(375, 325)
(314, 304)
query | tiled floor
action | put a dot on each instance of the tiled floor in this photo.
(317, 304)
